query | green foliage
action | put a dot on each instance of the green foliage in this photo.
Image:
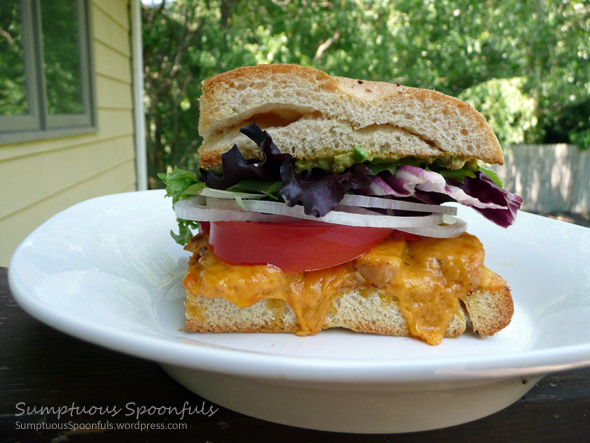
(60, 57)
(13, 88)
(508, 110)
(532, 57)
(569, 120)
(60, 47)
(580, 138)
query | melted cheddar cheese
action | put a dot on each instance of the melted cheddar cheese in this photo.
(427, 277)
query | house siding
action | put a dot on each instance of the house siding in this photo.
(39, 179)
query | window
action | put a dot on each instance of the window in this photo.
(46, 85)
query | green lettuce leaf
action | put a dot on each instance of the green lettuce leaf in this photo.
(182, 184)
(492, 174)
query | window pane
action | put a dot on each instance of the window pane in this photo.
(61, 53)
(13, 86)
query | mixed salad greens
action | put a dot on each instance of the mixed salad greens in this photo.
(276, 178)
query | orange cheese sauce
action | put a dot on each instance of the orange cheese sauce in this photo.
(427, 277)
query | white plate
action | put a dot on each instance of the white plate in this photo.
(107, 271)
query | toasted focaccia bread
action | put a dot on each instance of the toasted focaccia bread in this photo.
(489, 311)
(314, 114)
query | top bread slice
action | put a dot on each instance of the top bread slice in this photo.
(310, 114)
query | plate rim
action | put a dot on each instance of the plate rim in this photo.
(261, 365)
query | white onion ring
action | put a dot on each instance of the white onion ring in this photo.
(454, 229)
(357, 210)
(348, 200)
(221, 209)
(220, 193)
(187, 211)
(387, 203)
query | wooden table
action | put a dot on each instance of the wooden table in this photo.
(41, 367)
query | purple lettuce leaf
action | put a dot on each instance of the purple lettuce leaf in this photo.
(484, 189)
(407, 179)
(480, 192)
(320, 193)
(236, 168)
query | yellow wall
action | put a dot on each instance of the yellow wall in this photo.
(40, 178)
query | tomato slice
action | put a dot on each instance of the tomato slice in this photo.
(401, 235)
(205, 227)
(300, 246)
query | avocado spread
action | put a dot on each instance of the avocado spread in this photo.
(339, 163)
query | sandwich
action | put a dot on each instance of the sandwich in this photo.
(321, 202)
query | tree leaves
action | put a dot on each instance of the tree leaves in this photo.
(448, 45)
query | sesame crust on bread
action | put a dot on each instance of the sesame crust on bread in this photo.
(306, 110)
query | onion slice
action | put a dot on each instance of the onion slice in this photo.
(214, 209)
(220, 193)
(348, 200)
(455, 228)
(202, 213)
(222, 209)
(387, 203)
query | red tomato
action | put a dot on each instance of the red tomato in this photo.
(293, 247)
(205, 227)
(401, 235)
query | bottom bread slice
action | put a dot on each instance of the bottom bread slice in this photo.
(428, 288)
(486, 311)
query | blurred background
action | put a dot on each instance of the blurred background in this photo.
(524, 64)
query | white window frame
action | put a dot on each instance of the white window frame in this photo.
(38, 124)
